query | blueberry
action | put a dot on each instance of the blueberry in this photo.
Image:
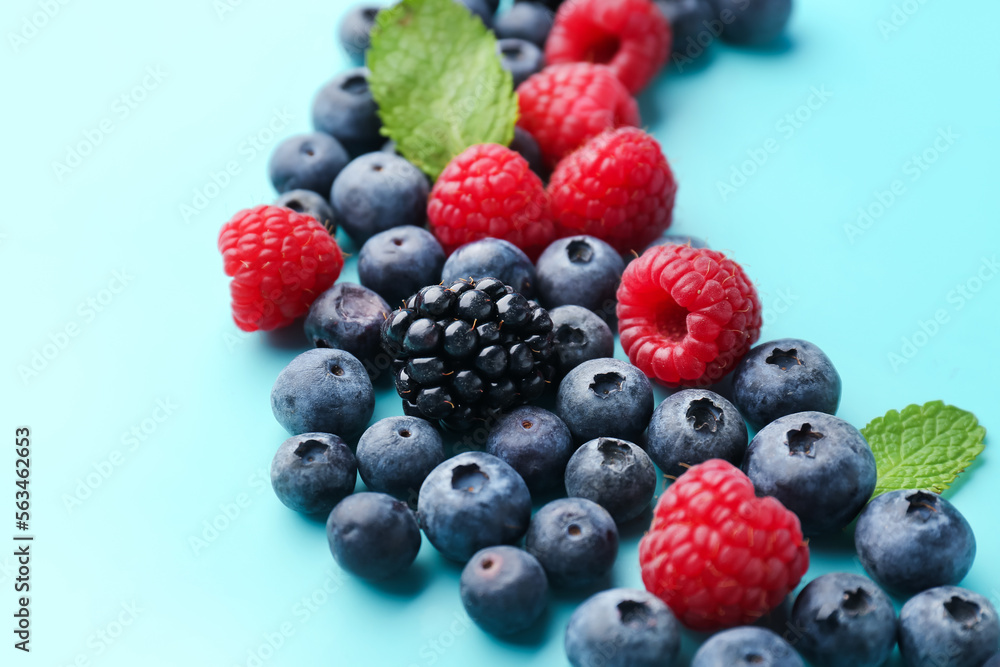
(911, 540)
(535, 442)
(530, 21)
(345, 109)
(309, 203)
(746, 647)
(480, 8)
(783, 377)
(307, 162)
(348, 317)
(580, 271)
(948, 626)
(323, 390)
(844, 620)
(605, 397)
(993, 662)
(373, 536)
(575, 540)
(355, 30)
(693, 426)
(312, 472)
(615, 474)
(399, 261)
(520, 57)
(472, 501)
(377, 192)
(504, 589)
(580, 335)
(396, 454)
(622, 627)
(688, 19)
(753, 22)
(817, 465)
(525, 144)
(492, 258)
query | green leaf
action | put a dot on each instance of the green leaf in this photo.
(924, 446)
(437, 79)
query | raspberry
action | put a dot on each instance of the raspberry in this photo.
(686, 315)
(565, 105)
(718, 555)
(489, 190)
(632, 37)
(280, 261)
(618, 187)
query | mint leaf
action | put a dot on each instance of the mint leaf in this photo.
(923, 447)
(437, 79)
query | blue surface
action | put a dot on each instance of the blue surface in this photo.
(105, 250)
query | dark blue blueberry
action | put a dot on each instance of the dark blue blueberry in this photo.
(377, 192)
(693, 426)
(615, 474)
(373, 536)
(399, 261)
(472, 501)
(492, 258)
(746, 647)
(345, 109)
(993, 662)
(622, 627)
(535, 442)
(307, 162)
(396, 454)
(355, 30)
(690, 22)
(605, 398)
(528, 148)
(520, 57)
(580, 271)
(484, 9)
(504, 589)
(844, 620)
(312, 472)
(323, 390)
(529, 21)
(912, 540)
(948, 626)
(575, 540)
(783, 377)
(753, 22)
(817, 465)
(309, 203)
(580, 335)
(348, 317)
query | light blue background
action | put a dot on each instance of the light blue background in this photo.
(166, 334)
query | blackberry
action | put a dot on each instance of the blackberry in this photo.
(465, 352)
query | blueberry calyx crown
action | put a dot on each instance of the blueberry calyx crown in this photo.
(464, 352)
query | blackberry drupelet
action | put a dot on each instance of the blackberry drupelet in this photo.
(467, 351)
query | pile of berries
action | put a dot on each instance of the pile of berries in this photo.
(501, 284)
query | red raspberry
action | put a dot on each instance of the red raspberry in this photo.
(686, 315)
(489, 190)
(718, 555)
(280, 261)
(618, 187)
(632, 37)
(565, 105)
